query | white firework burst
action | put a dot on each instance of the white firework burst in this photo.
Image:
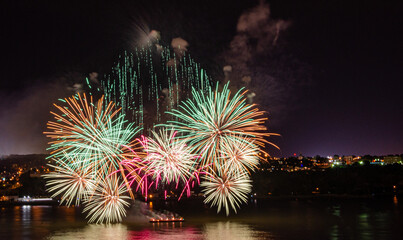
(70, 183)
(108, 202)
(168, 159)
(228, 190)
(240, 155)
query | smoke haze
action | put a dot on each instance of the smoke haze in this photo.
(23, 117)
(256, 59)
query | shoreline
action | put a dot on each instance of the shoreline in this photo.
(284, 197)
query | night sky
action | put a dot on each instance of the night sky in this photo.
(336, 68)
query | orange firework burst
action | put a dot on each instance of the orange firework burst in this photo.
(89, 138)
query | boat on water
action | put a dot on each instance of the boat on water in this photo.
(163, 220)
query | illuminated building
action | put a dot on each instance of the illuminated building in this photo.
(392, 159)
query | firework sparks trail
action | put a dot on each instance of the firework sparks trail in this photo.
(147, 82)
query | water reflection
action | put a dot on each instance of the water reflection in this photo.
(94, 231)
(354, 219)
(121, 231)
(26, 213)
(165, 231)
(233, 230)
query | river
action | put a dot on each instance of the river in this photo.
(371, 218)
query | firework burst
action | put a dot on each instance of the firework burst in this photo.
(226, 190)
(89, 143)
(215, 119)
(71, 183)
(108, 202)
(168, 159)
(97, 161)
(241, 155)
(95, 134)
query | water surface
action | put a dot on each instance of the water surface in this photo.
(260, 219)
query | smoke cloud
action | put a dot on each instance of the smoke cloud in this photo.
(180, 46)
(257, 59)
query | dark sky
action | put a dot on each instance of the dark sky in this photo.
(350, 101)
